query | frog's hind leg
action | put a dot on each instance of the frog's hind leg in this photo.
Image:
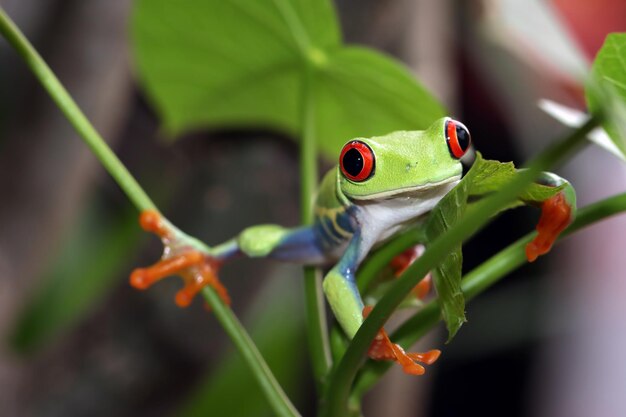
(404, 260)
(345, 300)
(557, 213)
(382, 348)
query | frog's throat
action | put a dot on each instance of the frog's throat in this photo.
(409, 191)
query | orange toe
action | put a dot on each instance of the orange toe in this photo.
(556, 215)
(151, 221)
(383, 349)
(197, 269)
(185, 296)
(139, 279)
(143, 278)
(427, 357)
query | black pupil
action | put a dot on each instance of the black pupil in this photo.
(463, 137)
(353, 162)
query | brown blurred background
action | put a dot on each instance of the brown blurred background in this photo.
(78, 341)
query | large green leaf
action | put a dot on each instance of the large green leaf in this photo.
(364, 93)
(235, 63)
(607, 92)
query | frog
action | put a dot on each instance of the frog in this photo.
(381, 186)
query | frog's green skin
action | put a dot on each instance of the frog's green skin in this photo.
(413, 171)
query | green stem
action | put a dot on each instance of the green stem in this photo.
(269, 385)
(317, 330)
(370, 269)
(480, 279)
(274, 393)
(73, 113)
(338, 389)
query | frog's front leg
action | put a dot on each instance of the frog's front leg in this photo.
(199, 266)
(345, 300)
(557, 213)
(298, 245)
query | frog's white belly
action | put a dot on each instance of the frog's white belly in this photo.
(381, 219)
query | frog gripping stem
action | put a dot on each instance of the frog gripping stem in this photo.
(556, 215)
(195, 267)
(403, 261)
(383, 349)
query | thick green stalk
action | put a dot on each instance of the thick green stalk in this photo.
(339, 386)
(274, 393)
(317, 330)
(73, 113)
(480, 279)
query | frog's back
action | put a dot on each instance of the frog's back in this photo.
(334, 220)
(327, 197)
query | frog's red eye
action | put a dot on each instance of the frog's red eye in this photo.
(357, 161)
(458, 138)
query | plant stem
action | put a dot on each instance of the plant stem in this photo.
(73, 113)
(317, 330)
(269, 385)
(338, 389)
(274, 393)
(482, 278)
(371, 267)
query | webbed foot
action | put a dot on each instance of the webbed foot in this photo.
(556, 215)
(383, 349)
(196, 268)
(403, 261)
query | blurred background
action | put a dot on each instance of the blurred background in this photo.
(78, 341)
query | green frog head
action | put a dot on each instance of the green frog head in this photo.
(404, 161)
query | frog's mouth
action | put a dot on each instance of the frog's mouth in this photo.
(423, 191)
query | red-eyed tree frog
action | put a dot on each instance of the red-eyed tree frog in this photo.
(381, 186)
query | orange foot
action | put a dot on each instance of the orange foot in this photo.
(401, 263)
(382, 349)
(556, 215)
(196, 268)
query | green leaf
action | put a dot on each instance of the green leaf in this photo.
(361, 92)
(83, 272)
(235, 63)
(447, 275)
(485, 177)
(490, 176)
(606, 94)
